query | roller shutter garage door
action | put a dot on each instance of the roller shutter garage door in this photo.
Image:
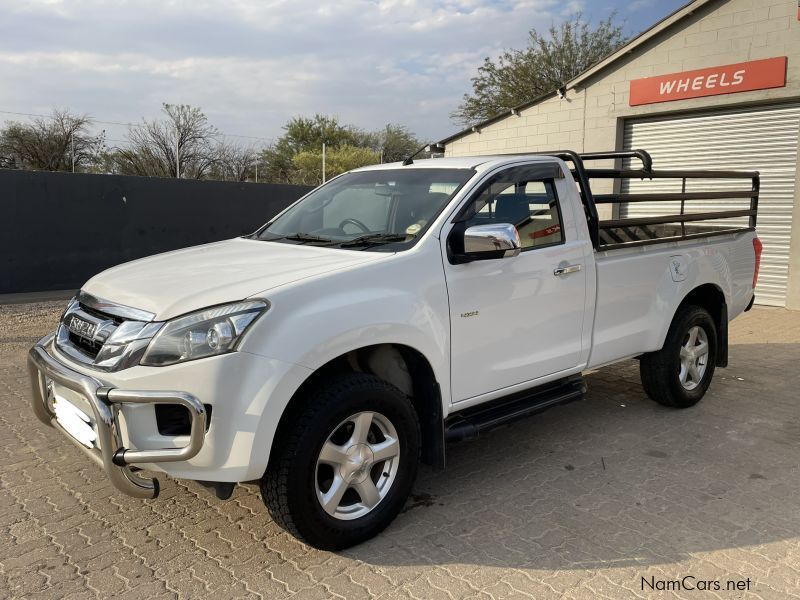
(751, 139)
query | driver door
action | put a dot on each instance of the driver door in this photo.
(518, 319)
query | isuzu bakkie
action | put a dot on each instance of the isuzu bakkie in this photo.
(390, 311)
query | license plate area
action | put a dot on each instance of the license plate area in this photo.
(74, 415)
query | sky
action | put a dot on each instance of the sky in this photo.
(253, 64)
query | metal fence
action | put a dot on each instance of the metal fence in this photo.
(59, 229)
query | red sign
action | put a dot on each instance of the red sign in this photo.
(727, 79)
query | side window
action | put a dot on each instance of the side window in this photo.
(530, 205)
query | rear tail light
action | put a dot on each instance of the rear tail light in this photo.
(757, 247)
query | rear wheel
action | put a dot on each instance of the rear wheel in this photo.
(347, 465)
(679, 374)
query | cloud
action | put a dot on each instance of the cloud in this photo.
(251, 64)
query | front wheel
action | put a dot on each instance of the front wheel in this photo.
(679, 374)
(347, 464)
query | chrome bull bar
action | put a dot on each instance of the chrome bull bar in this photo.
(105, 401)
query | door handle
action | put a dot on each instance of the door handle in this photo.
(567, 270)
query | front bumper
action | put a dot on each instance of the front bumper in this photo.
(105, 401)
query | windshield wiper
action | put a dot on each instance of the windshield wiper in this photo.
(374, 238)
(302, 237)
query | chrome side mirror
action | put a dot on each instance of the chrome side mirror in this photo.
(498, 240)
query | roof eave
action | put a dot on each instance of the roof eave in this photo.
(497, 117)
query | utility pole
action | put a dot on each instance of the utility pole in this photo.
(177, 155)
(323, 162)
(72, 149)
(256, 171)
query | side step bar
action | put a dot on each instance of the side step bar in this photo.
(471, 422)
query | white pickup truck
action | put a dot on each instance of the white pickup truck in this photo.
(387, 312)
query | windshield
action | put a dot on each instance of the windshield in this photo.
(377, 209)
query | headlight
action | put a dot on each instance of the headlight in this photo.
(203, 333)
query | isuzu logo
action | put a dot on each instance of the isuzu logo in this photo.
(80, 327)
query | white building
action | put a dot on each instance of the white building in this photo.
(715, 85)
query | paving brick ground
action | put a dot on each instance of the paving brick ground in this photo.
(581, 502)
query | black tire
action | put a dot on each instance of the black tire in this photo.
(289, 486)
(660, 371)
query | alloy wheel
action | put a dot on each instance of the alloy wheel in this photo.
(357, 465)
(693, 357)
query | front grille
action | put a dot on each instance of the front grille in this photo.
(88, 347)
(100, 315)
(77, 344)
(103, 334)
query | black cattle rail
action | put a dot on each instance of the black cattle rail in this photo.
(639, 231)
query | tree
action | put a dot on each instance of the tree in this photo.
(234, 162)
(397, 143)
(152, 146)
(547, 64)
(393, 143)
(292, 157)
(304, 134)
(308, 164)
(50, 143)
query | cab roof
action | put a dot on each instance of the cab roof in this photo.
(478, 163)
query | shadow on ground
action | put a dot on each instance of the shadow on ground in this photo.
(617, 480)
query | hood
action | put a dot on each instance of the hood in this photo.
(178, 282)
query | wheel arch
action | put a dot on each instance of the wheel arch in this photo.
(711, 297)
(401, 365)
